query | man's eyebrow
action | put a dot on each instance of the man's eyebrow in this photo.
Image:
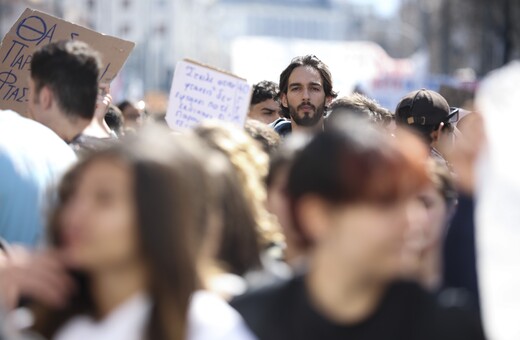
(313, 83)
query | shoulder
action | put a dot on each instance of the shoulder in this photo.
(457, 315)
(266, 297)
(128, 321)
(265, 308)
(19, 127)
(438, 316)
(282, 126)
(32, 146)
(210, 317)
(27, 135)
(84, 145)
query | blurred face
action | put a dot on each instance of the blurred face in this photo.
(133, 118)
(98, 223)
(305, 97)
(266, 112)
(436, 212)
(425, 234)
(368, 238)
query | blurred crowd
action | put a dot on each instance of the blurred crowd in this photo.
(324, 217)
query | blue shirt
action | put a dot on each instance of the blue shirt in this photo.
(32, 160)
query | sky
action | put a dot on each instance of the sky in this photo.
(383, 7)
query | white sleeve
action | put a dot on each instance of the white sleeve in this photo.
(211, 318)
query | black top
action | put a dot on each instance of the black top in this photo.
(406, 312)
(460, 264)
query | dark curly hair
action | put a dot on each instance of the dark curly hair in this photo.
(265, 90)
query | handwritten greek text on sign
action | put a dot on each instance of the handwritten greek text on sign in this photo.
(35, 29)
(200, 93)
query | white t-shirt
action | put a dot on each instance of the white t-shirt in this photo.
(209, 318)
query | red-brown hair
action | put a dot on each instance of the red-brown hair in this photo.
(357, 162)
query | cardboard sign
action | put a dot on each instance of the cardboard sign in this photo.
(36, 29)
(200, 92)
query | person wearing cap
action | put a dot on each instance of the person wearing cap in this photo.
(429, 114)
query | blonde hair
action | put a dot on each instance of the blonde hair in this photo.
(251, 164)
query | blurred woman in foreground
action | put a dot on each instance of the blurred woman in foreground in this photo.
(127, 228)
(352, 196)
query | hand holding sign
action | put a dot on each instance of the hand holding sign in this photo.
(35, 29)
(200, 93)
(104, 99)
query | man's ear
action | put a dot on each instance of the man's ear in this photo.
(437, 133)
(328, 100)
(283, 100)
(46, 97)
(313, 216)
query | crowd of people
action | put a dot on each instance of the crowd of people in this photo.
(324, 217)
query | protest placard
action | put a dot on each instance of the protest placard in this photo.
(35, 29)
(200, 92)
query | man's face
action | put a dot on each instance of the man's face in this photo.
(266, 112)
(305, 97)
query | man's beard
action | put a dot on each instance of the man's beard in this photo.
(310, 118)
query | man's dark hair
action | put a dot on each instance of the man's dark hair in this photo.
(71, 70)
(314, 62)
(114, 119)
(362, 106)
(263, 91)
(425, 131)
(123, 105)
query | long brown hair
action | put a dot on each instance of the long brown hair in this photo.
(169, 185)
(238, 249)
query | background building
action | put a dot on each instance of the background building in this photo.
(440, 36)
(167, 31)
